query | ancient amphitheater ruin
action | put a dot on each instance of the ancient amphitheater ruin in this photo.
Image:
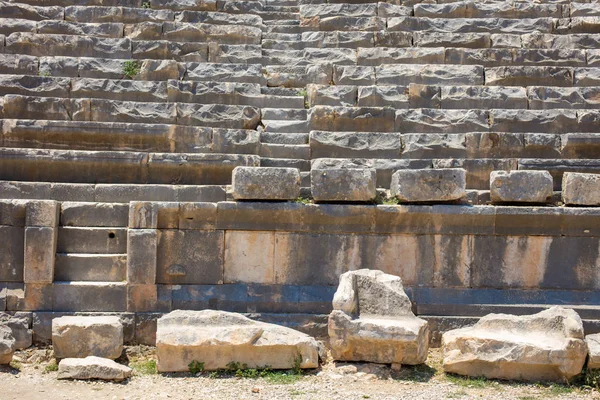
(252, 158)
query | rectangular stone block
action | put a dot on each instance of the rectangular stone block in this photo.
(145, 328)
(141, 256)
(344, 185)
(12, 212)
(351, 119)
(43, 213)
(190, 257)
(12, 254)
(90, 296)
(581, 189)
(92, 240)
(338, 218)
(168, 215)
(40, 252)
(220, 297)
(142, 298)
(520, 186)
(90, 267)
(430, 185)
(37, 297)
(259, 216)
(249, 257)
(143, 215)
(429, 120)
(581, 221)
(414, 219)
(197, 216)
(263, 183)
(528, 221)
(355, 144)
(93, 214)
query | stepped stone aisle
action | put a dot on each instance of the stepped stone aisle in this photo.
(126, 119)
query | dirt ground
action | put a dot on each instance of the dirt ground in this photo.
(32, 375)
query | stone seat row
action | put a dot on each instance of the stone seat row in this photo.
(414, 95)
(412, 186)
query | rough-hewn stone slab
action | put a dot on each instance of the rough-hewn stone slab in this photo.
(521, 186)
(79, 337)
(217, 338)
(92, 368)
(581, 189)
(357, 119)
(429, 185)
(260, 183)
(343, 184)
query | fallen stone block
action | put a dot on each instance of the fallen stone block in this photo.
(260, 183)
(217, 338)
(19, 326)
(7, 344)
(92, 368)
(80, 337)
(593, 344)
(547, 346)
(520, 186)
(372, 321)
(581, 189)
(428, 185)
(351, 184)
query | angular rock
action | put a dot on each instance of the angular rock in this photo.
(372, 321)
(428, 185)
(217, 338)
(92, 367)
(389, 55)
(7, 344)
(581, 189)
(593, 344)
(355, 144)
(342, 185)
(260, 183)
(547, 346)
(331, 95)
(351, 119)
(19, 327)
(383, 96)
(429, 120)
(429, 74)
(521, 186)
(483, 97)
(80, 336)
(529, 76)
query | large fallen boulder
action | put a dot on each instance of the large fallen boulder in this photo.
(19, 326)
(79, 336)
(7, 344)
(372, 320)
(547, 346)
(92, 368)
(215, 339)
(593, 344)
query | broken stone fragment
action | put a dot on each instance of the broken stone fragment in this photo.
(520, 186)
(7, 344)
(581, 189)
(547, 346)
(372, 321)
(92, 368)
(79, 336)
(428, 185)
(263, 183)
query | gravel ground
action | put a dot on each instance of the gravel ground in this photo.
(32, 378)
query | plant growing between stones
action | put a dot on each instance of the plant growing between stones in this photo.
(144, 367)
(51, 367)
(146, 4)
(131, 69)
(196, 367)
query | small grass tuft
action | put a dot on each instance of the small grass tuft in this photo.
(146, 4)
(51, 367)
(303, 200)
(15, 364)
(44, 73)
(131, 69)
(147, 367)
(196, 367)
(468, 382)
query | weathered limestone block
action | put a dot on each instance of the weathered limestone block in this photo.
(343, 184)
(529, 76)
(353, 75)
(28, 85)
(108, 30)
(217, 338)
(333, 56)
(331, 95)
(19, 326)
(443, 39)
(42, 213)
(116, 14)
(263, 183)
(143, 215)
(351, 119)
(67, 45)
(483, 97)
(80, 336)
(46, 108)
(429, 74)
(547, 346)
(593, 344)
(433, 145)
(383, 96)
(141, 256)
(331, 10)
(372, 321)
(18, 64)
(521, 186)
(218, 115)
(235, 141)
(429, 120)
(7, 344)
(92, 367)
(298, 75)
(543, 121)
(160, 70)
(376, 56)
(143, 31)
(85, 67)
(40, 253)
(355, 144)
(123, 90)
(185, 5)
(246, 73)
(445, 184)
(581, 189)
(460, 25)
(199, 32)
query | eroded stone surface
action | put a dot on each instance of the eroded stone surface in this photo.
(92, 367)
(581, 189)
(372, 321)
(521, 186)
(261, 183)
(78, 337)
(445, 184)
(7, 344)
(547, 346)
(217, 338)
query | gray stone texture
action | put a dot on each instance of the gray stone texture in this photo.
(429, 185)
(343, 185)
(79, 337)
(141, 256)
(260, 183)
(520, 186)
(581, 189)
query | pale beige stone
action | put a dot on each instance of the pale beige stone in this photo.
(593, 344)
(92, 368)
(372, 321)
(249, 257)
(79, 336)
(547, 346)
(217, 338)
